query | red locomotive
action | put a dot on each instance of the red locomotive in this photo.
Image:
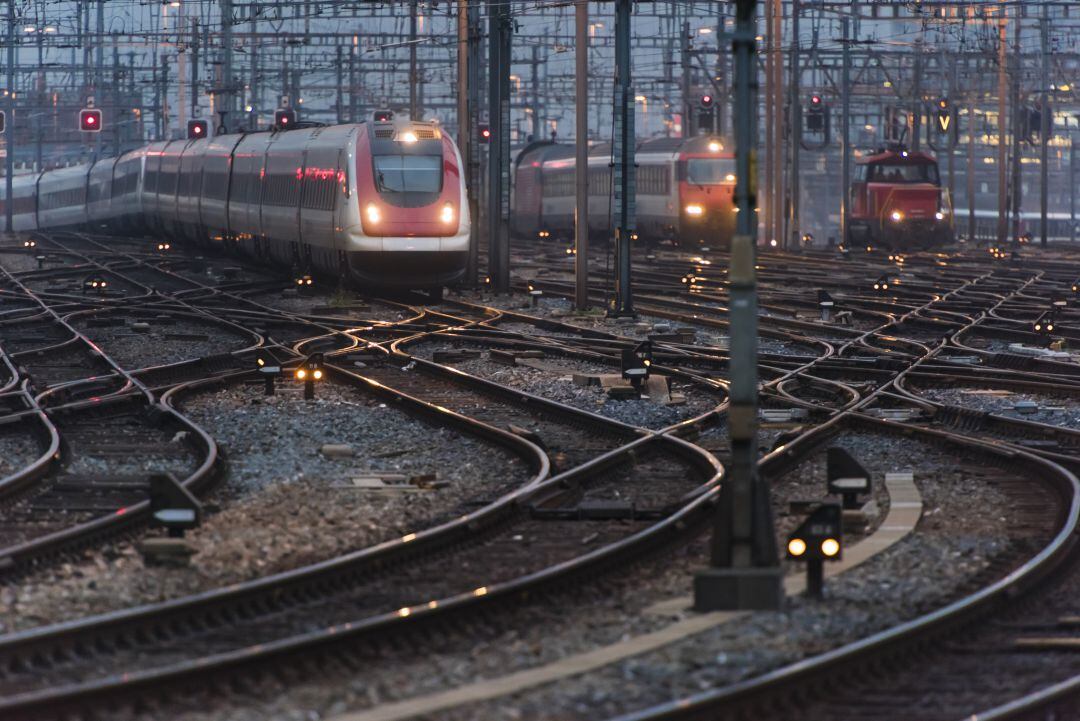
(897, 202)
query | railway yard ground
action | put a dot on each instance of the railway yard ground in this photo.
(463, 511)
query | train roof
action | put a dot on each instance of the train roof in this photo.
(541, 151)
(899, 157)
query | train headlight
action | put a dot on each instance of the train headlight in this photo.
(729, 178)
(939, 215)
(407, 137)
(373, 214)
(715, 147)
(695, 210)
(446, 215)
(896, 216)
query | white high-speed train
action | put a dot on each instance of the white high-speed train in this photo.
(382, 203)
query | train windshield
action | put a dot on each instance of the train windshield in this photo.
(408, 173)
(907, 173)
(710, 171)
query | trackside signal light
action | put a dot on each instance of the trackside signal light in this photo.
(90, 120)
(706, 101)
(817, 539)
(636, 362)
(284, 119)
(1044, 324)
(310, 371)
(485, 134)
(197, 129)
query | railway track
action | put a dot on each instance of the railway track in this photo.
(604, 493)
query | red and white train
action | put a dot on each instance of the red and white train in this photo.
(685, 191)
(382, 203)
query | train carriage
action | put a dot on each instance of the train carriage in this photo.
(61, 197)
(381, 203)
(685, 190)
(24, 212)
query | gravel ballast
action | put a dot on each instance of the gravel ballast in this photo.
(163, 344)
(958, 537)
(283, 503)
(557, 384)
(1052, 410)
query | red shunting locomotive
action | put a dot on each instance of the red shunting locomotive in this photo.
(897, 202)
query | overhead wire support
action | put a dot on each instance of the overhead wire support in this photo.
(744, 571)
(581, 151)
(499, 59)
(623, 171)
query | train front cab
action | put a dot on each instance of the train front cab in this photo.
(408, 218)
(706, 175)
(897, 202)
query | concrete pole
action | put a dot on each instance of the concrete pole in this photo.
(465, 124)
(1015, 186)
(770, 121)
(581, 159)
(623, 173)
(687, 91)
(9, 132)
(536, 127)
(1072, 187)
(499, 150)
(181, 67)
(917, 101)
(1002, 156)
(414, 107)
(194, 66)
(778, 122)
(950, 143)
(845, 131)
(1044, 126)
(971, 169)
(744, 572)
(791, 240)
(475, 51)
(228, 89)
(99, 77)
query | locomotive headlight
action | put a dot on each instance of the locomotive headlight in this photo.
(407, 137)
(373, 214)
(896, 216)
(446, 215)
(729, 178)
(715, 147)
(695, 210)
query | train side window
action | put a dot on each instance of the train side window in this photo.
(860, 173)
